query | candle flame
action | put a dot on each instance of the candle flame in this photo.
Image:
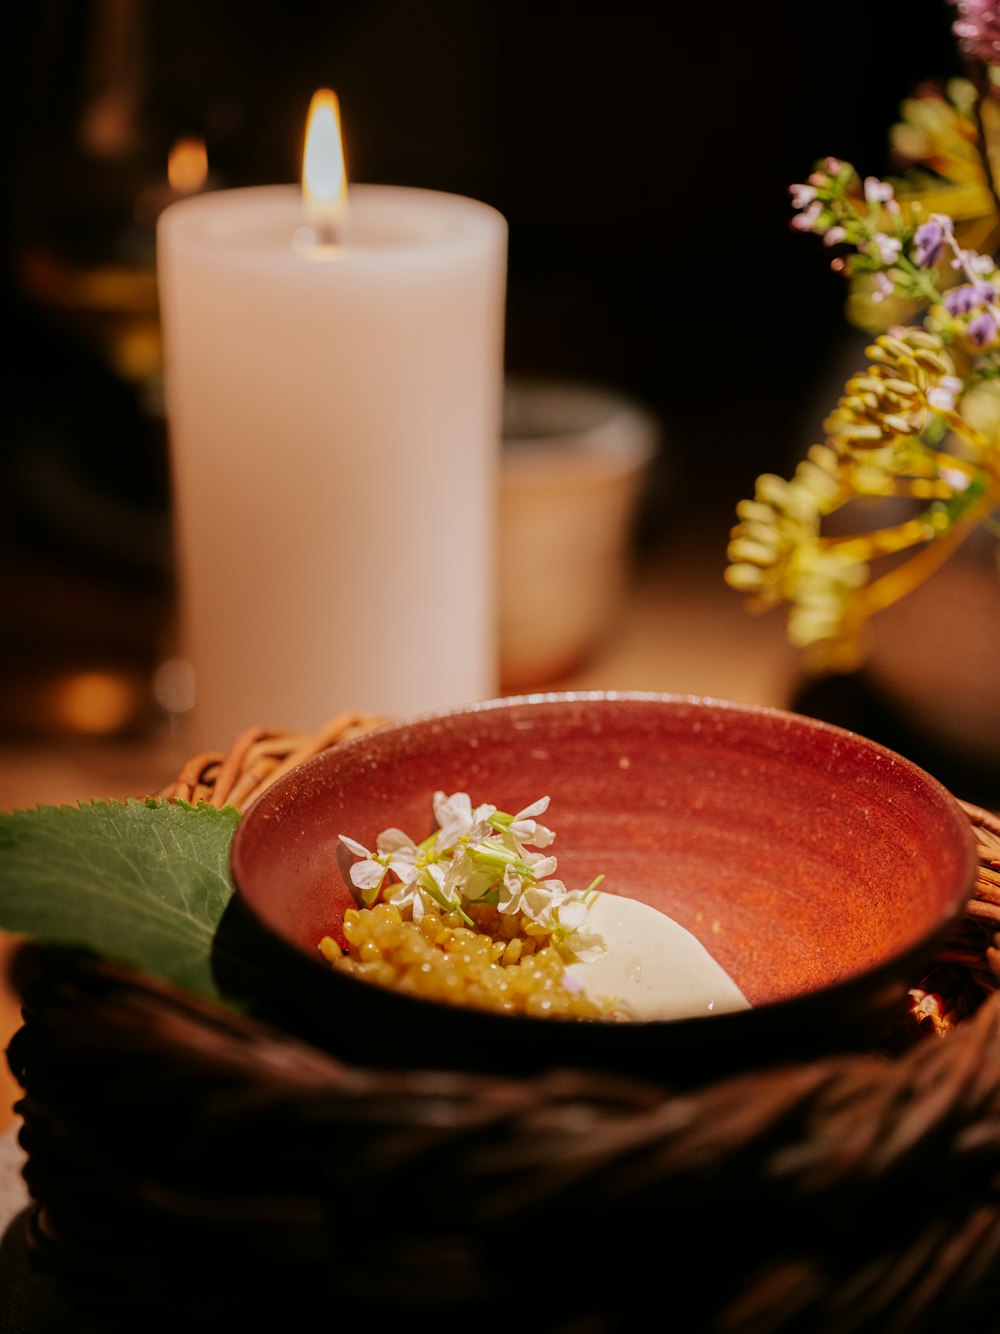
(324, 176)
(187, 165)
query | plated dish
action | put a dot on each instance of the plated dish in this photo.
(818, 869)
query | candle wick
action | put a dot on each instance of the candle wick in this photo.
(328, 232)
(320, 237)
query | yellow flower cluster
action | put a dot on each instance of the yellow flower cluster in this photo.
(889, 399)
(919, 426)
(875, 446)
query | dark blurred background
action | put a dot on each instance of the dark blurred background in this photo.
(641, 154)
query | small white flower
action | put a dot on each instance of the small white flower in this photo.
(540, 902)
(541, 867)
(468, 877)
(457, 820)
(357, 848)
(399, 852)
(569, 933)
(537, 904)
(511, 891)
(368, 873)
(417, 896)
(526, 829)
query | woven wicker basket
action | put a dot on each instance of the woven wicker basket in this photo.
(195, 1168)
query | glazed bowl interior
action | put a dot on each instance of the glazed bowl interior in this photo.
(820, 869)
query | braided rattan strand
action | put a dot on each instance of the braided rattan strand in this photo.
(256, 758)
(849, 1194)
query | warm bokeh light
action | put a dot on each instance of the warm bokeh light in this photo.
(187, 165)
(97, 703)
(324, 176)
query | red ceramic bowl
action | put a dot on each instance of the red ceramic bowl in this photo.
(820, 869)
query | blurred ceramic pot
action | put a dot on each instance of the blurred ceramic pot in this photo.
(936, 653)
(574, 462)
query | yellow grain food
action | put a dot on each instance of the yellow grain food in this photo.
(499, 964)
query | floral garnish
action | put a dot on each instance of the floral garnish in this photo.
(478, 856)
(921, 420)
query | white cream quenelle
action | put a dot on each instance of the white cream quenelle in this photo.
(652, 967)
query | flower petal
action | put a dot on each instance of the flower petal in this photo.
(454, 815)
(355, 846)
(368, 874)
(394, 841)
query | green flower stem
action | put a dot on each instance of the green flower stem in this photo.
(487, 854)
(428, 882)
(883, 541)
(919, 279)
(883, 592)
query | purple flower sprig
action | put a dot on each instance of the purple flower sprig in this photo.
(974, 304)
(877, 239)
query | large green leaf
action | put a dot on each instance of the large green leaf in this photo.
(142, 882)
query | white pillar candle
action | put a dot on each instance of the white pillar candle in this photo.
(334, 422)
